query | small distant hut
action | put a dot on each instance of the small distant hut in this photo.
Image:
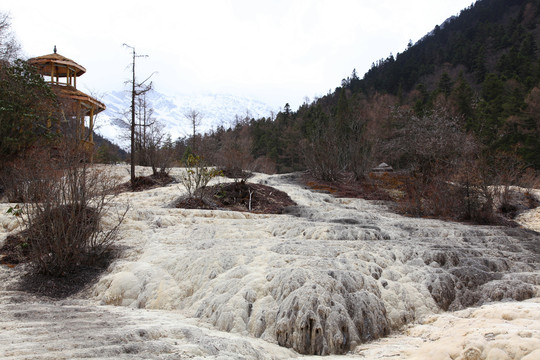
(382, 167)
(78, 108)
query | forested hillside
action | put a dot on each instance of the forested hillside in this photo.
(486, 61)
(480, 69)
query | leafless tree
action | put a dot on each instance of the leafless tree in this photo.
(321, 153)
(145, 120)
(156, 148)
(9, 47)
(448, 176)
(137, 89)
(235, 153)
(152, 147)
(195, 118)
(426, 143)
(357, 148)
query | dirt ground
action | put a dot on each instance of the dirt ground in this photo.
(239, 196)
(16, 251)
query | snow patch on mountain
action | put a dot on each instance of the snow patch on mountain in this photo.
(215, 109)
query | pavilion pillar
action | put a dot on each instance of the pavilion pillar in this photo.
(91, 126)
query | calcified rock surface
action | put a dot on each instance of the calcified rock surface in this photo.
(328, 277)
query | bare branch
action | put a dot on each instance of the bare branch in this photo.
(9, 47)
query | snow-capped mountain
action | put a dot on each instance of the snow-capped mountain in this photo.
(214, 109)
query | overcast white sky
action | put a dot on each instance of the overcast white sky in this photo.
(275, 51)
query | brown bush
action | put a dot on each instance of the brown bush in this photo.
(64, 200)
(61, 238)
(265, 165)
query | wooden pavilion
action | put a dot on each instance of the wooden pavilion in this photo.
(61, 73)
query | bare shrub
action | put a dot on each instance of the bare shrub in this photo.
(426, 144)
(471, 187)
(265, 165)
(65, 200)
(197, 176)
(449, 175)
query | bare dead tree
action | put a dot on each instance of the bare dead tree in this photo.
(137, 89)
(152, 147)
(195, 118)
(145, 124)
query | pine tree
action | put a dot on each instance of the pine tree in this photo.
(27, 105)
(445, 84)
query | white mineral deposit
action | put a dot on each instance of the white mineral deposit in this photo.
(340, 277)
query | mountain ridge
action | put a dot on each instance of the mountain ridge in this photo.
(215, 110)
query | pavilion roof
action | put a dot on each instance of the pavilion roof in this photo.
(45, 62)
